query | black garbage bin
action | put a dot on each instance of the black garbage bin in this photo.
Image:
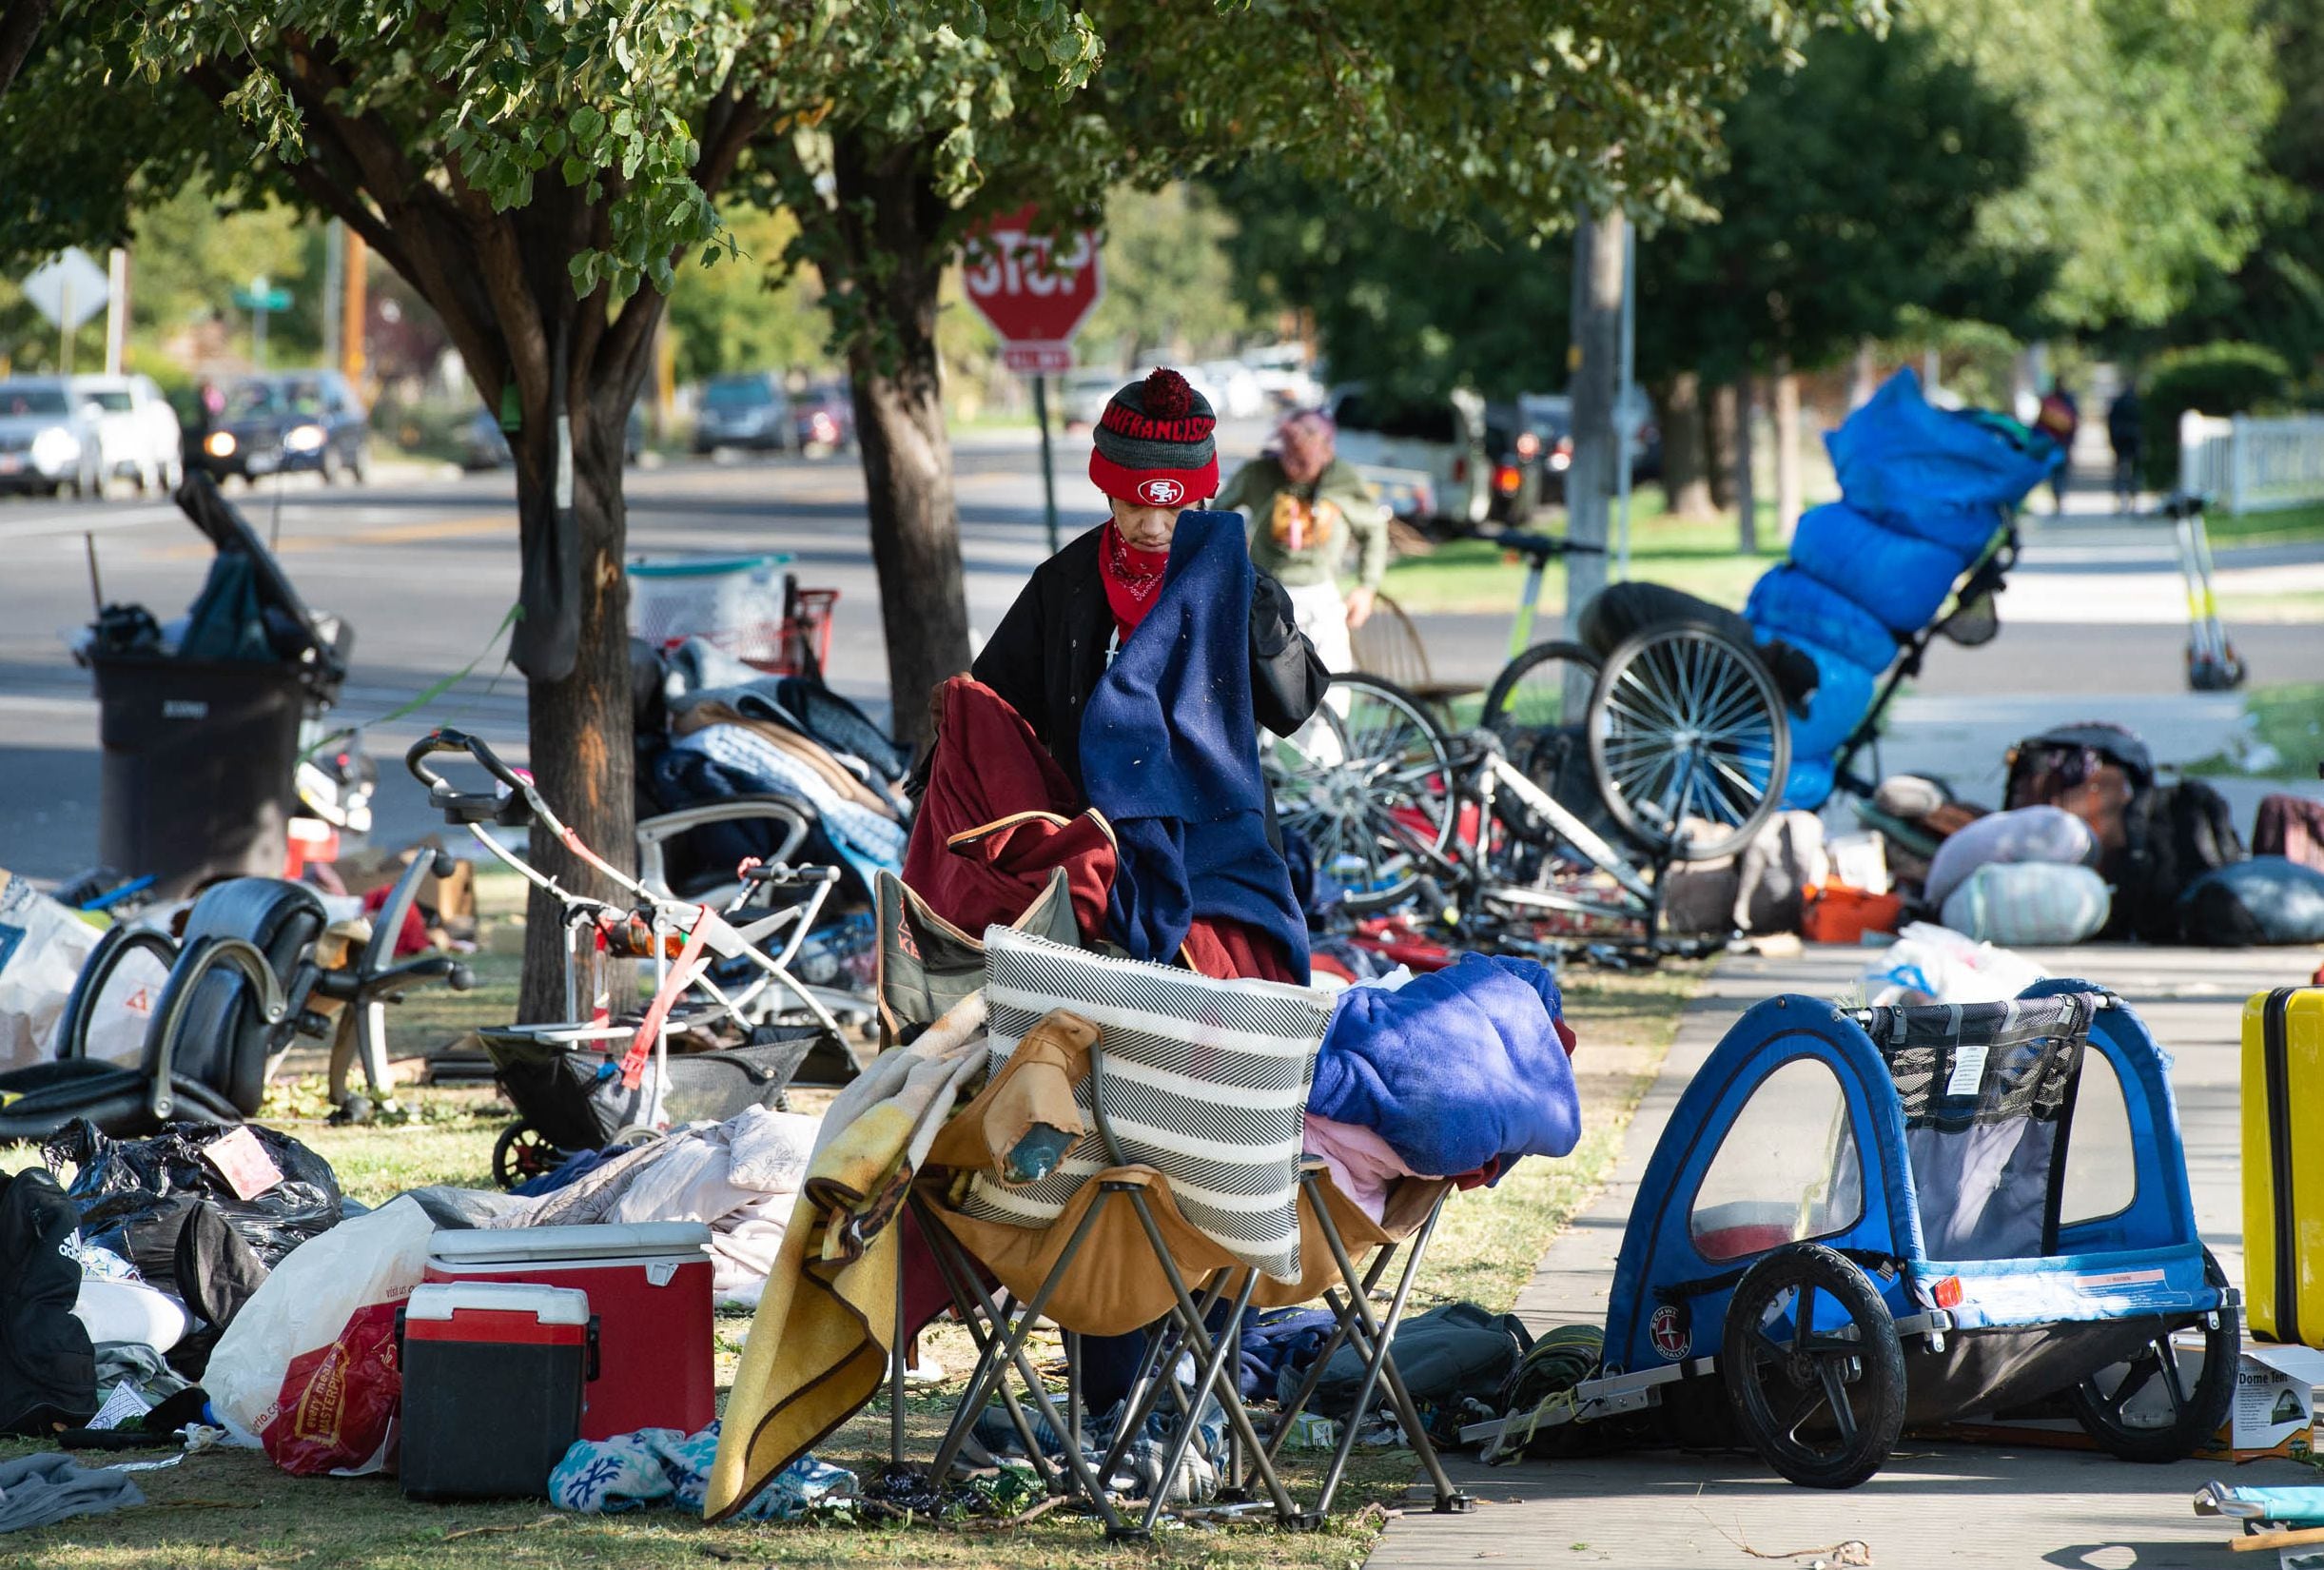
(200, 758)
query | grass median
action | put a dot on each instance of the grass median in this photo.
(230, 1510)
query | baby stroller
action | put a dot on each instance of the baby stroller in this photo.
(1675, 727)
(1855, 1221)
(596, 1079)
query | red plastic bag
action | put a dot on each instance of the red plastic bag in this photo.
(338, 1408)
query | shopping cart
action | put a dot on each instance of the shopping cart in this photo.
(743, 605)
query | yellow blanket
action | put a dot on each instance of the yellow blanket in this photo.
(826, 1321)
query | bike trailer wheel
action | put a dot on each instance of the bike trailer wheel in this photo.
(1368, 784)
(2147, 1408)
(1813, 1367)
(1688, 741)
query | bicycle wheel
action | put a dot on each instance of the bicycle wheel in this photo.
(1539, 706)
(1688, 741)
(1368, 784)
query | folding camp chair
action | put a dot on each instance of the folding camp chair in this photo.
(1122, 1254)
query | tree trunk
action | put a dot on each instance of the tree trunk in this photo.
(890, 218)
(1686, 481)
(1789, 481)
(1864, 375)
(1747, 491)
(583, 753)
(1719, 446)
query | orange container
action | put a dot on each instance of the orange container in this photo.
(1834, 913)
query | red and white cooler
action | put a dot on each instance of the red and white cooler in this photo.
(648, 1289)
(494, 1376)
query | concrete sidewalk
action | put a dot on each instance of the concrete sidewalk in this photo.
(1933, 1505)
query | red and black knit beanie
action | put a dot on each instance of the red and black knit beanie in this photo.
(1154, 444)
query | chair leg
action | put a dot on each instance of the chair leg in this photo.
(1213, 1361)
(895, 1372)
(1008, 1345)
(1190, 1321)
(949, 1266)
(1339, 1338)
(1153, 1381)
(1380, 1334)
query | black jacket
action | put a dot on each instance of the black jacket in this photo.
(47, 1368)
(1048, 653)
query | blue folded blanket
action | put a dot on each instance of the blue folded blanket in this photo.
(1454, 1068)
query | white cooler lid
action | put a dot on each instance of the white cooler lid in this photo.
(547, 1305)
(532, 1245)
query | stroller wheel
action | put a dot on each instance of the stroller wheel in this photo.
(2145, 1408)
(522, 1153)
(1813, 1367)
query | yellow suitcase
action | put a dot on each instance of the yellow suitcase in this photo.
(2283, 1165)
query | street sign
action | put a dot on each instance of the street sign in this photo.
(258, 297)
(1036, 292)
(1038, 358)
(69, 290)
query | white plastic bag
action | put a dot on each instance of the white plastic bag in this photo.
(309, 1299)
(1932, 964)
(43, 946)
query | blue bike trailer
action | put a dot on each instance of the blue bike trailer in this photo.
(1857, 1219)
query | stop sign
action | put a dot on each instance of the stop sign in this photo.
(1036, 292)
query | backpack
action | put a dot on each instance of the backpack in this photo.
(2176, 834)
(2057, 418)
(2152, 845)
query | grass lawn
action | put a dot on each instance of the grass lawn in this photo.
(1475, 576)
(2287, 716)
(2269, 528)
(233, 1511)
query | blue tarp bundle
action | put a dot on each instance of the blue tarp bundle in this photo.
(1925, 490)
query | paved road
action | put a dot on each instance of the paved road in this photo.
(1950, 1504)
(424, 568)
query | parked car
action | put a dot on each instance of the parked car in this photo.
(1550, 416)
(48, 438)
(137, 432)
(1236, 391)
(1085, 391)
(1513, 446)
(825, 417)
(485, 444)
(1443, 438)
(309, 421)
(748, 410)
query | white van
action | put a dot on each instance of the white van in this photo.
(1443, 439)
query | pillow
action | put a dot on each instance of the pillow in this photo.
(1205, 1080)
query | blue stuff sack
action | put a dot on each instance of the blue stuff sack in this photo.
(1899, 579)
(1898, 454)
(1789, 604)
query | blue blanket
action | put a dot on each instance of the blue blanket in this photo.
(1170, 755)
(1454, 1068)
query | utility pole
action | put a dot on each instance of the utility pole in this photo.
(1594, 360)
(351, 320)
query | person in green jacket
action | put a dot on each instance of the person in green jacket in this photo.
(1303, 507)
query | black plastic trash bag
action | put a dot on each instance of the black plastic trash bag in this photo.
(136, 1195)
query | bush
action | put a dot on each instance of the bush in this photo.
(2214, 379)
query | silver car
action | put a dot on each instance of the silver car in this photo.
(48, 438)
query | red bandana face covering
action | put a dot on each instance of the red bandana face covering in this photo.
(1132, 578)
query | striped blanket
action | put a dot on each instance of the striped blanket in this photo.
(1205, 1080)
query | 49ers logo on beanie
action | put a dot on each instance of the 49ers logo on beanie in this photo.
(1154, 446)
